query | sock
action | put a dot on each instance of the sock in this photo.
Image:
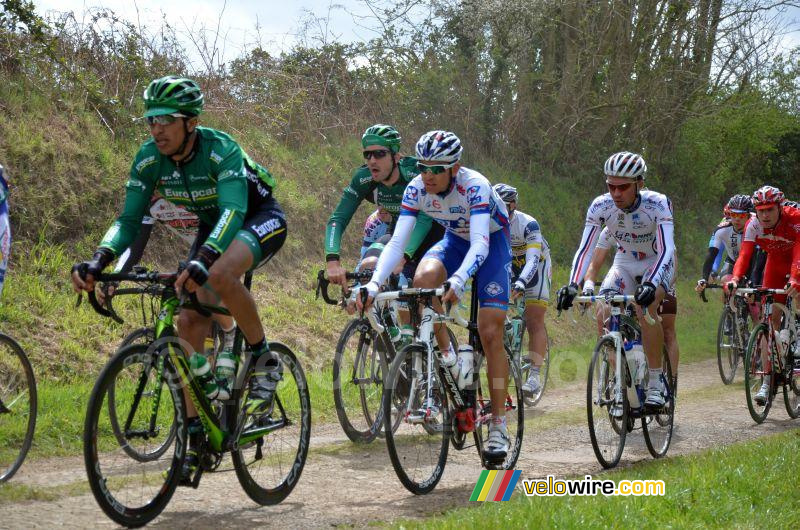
(655, 378)
(535, 370)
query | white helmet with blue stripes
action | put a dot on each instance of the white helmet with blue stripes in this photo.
(626, 165)
(439, 146)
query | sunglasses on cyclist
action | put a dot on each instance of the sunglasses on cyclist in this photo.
(619, 187)
(436, 170)
(377, 154)
(164, 119)
(738, 215)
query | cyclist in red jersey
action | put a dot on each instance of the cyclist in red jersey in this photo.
(776, 229)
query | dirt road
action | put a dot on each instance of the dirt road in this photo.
(356, 485)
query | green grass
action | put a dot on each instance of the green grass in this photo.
(746, 485)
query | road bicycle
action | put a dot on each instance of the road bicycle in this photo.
(732, 334)
(142, 387)
(615, 389)
(18, 406)
(425, 409)
(515, 330)
(779, 346)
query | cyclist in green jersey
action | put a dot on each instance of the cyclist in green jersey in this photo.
(382, 180)
(241, 226)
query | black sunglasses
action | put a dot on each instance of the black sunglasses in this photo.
(378, 154)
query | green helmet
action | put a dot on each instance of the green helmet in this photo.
(172, 94)
(384, 135)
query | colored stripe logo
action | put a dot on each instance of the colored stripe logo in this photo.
(495, 485)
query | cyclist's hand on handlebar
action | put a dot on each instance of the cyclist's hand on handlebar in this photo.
(732, 285)
(83, 274)
(336, 273)
(566, 295)
(793, 289)
(701, 286)
(517, 290)
(106, 289)
(366, 295)
(645, 294)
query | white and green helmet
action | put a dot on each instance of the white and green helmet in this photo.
(172, 94)
(384, 135)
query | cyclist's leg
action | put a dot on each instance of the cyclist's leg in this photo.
(668, 311)
(438, 264)
(537, 296)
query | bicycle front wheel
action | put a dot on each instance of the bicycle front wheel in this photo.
(658, 427)
(17, 406)
(417, 420)
(514, 412)
(727, 346)
(272, 448)
(607, 403)
(133, 491)
(754, 373)
(358, 370)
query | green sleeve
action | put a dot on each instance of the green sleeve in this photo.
(137, 199)
(352, 196)
(421, 229)
(228, 167)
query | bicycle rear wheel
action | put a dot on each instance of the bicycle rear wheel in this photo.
(727, 346)
(514, 412)
(18, 404)
(658, 427)
(607, 413)
(359, 366)
(272, 448)
(419, 443)
(132, 491)
(754, 373)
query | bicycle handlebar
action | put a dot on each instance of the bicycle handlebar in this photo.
(323, 283)
(618, 299)
(372, 314)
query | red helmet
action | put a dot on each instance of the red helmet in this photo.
(766, 196)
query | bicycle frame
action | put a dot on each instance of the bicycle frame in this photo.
(774, 343)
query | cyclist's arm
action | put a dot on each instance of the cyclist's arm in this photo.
(708, 264)
(231, 199)
(352, 196)
(421, 229)
(585, 251)
(393, 251)
(599, 256)
(133, 254)
(137, 199)
(533, 251)
(665, 237)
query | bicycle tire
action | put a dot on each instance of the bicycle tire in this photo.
(287, 395)
(727, 358)
(608, 454)
(118, 507)
(752, 379)
(17, 402)
(401, 397)
(658, 428)
(143, 335)
(369, 345)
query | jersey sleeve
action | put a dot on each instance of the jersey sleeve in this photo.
(665, 237)
(393, 250)
(605, 241)
(352, 196)
(478, 250)
(533, 250)
(228, 166)
(138, 191)
(421, 229)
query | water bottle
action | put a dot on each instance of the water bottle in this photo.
(640, 362)
(465, 366)
(516, 326)
(201, 369)
(394, 333)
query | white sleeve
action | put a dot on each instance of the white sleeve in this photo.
(605, 240)
(666, 250)
(478, 250)
(533, 251)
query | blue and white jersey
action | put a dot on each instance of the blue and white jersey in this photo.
(642, 233)
(727, 239)
(470, 193)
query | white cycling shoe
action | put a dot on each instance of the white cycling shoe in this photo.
(532, 386)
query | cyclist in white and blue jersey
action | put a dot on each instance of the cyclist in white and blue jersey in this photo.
(476, 243)
(5, 228)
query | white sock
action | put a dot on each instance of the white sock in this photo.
(655, 378)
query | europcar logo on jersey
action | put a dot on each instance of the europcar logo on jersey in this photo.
(495, 485)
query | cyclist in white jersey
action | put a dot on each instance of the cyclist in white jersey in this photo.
(728, 237)
(475, 243)
(5, 228)
(641, 223)
(531, 275)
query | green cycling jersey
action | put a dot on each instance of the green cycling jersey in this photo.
(361, 187)
(217, 181)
